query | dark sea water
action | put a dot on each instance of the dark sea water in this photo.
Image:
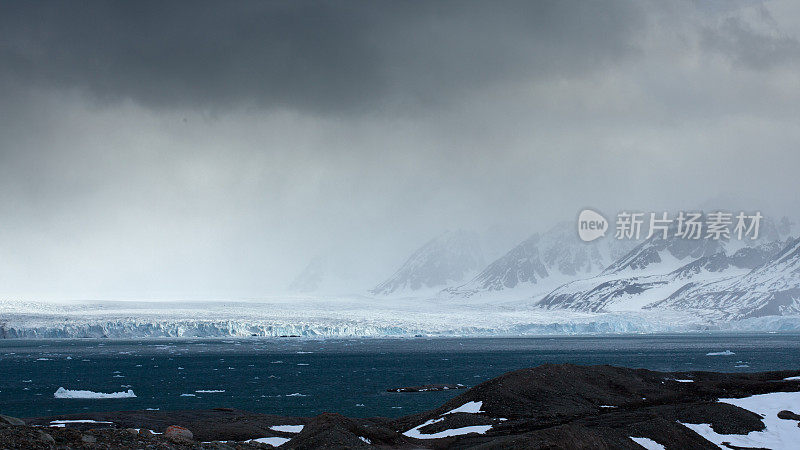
(348, 376)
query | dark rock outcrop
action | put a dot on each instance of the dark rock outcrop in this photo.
(788, 415)
(8, 420)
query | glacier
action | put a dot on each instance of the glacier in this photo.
(361, 317)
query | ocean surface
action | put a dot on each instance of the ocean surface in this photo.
(300, 377)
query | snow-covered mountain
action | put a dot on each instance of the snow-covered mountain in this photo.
(443, 261)
(687, 274)
(659, 256)
(772, 288)
(543, 261)
(312, 277)
(743, 258)
(655, 255)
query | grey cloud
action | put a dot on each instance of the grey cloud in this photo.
(749, 47)
(309, 56)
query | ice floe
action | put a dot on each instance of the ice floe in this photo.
(67, 393)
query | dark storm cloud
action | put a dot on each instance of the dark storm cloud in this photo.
(156, 149)
(309, 56)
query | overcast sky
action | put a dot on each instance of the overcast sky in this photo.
(211, 150)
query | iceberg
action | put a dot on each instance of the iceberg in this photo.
(67, 393)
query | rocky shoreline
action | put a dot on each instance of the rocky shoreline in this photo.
(550, 406)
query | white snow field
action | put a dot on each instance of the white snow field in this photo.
(66, 393)
(648, 443)
(287, 428)
(778, 434)
(473, 407)
(417, 434)
(273, 441)
(469, 407)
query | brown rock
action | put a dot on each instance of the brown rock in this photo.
(788, 415)
(218, 446)
(179, 435)
(145, 433)
(46, 438)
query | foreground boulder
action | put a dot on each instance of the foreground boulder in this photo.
(179, 435)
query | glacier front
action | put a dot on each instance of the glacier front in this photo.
(345, 317)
